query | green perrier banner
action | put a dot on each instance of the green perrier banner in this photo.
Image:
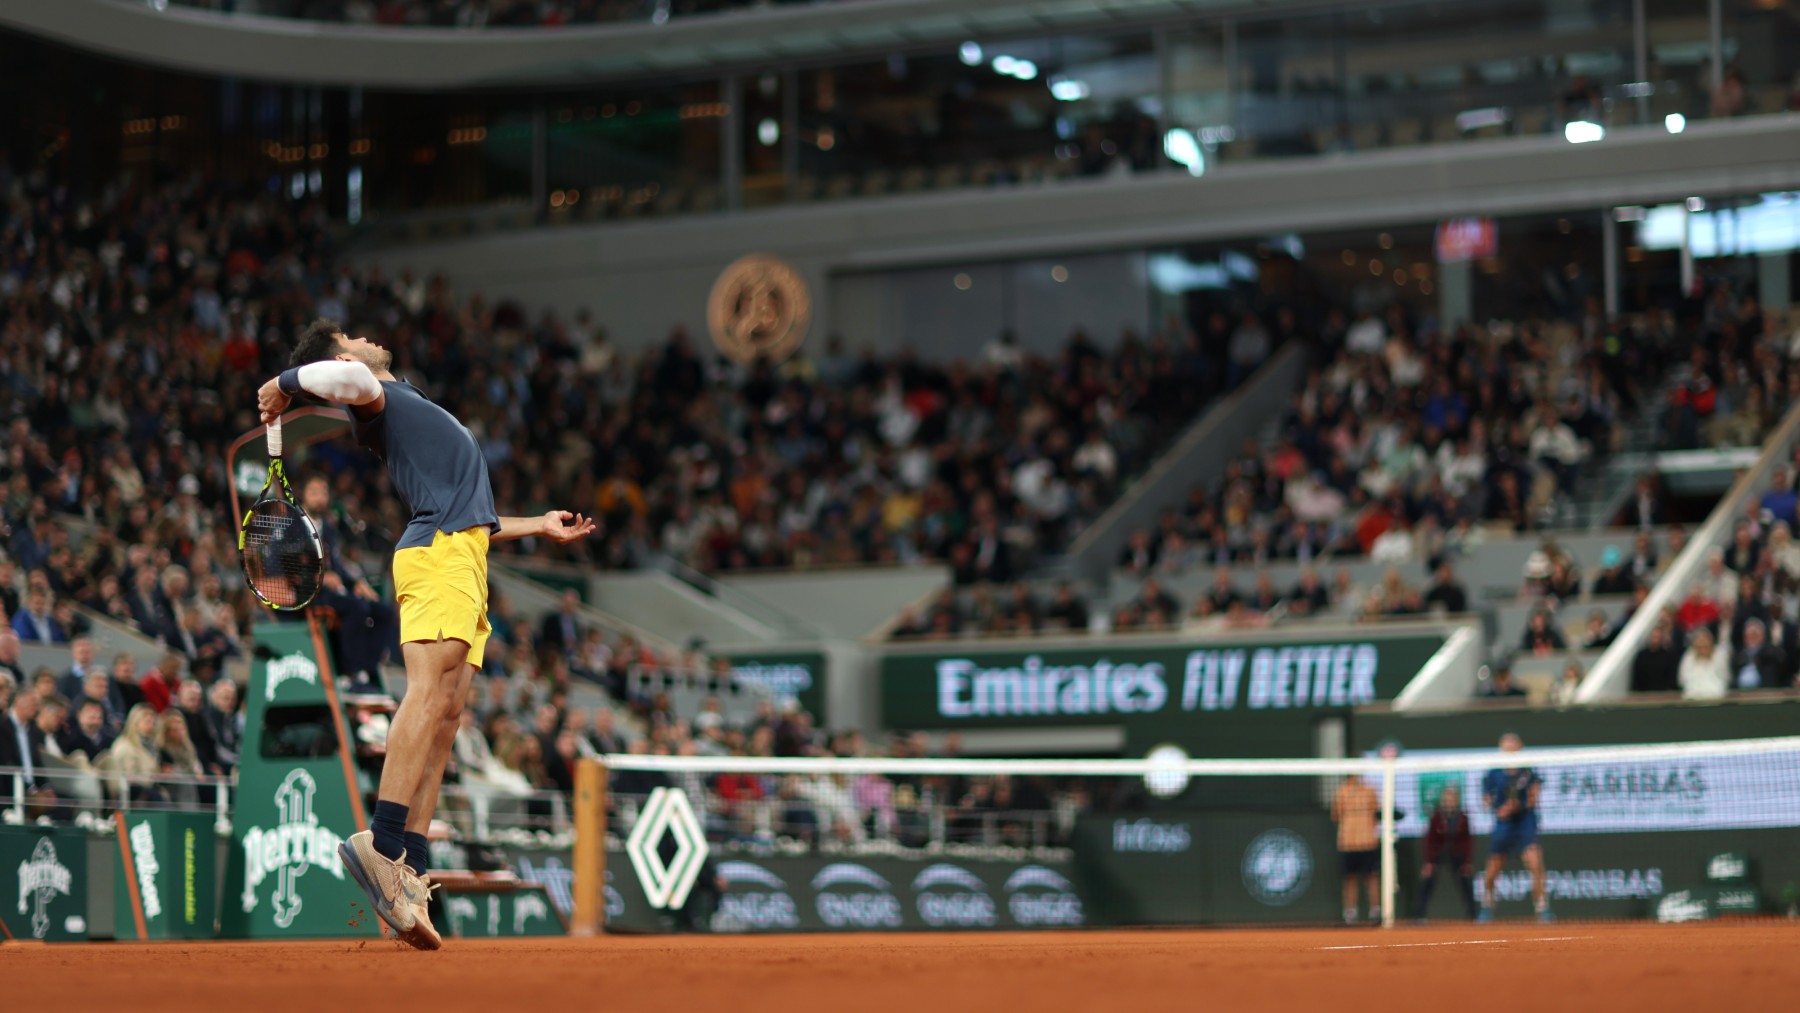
(44, 883)
(165, 875)
(1166, 686)
(294, 805)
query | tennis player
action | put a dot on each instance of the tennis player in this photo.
(440, 584)
(1512, 795)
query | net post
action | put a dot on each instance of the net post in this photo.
(590, 848)
(1390, 884)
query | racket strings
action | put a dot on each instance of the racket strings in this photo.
(281, 558)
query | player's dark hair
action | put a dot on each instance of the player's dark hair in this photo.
(317, 343)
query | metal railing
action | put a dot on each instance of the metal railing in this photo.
(96, 794)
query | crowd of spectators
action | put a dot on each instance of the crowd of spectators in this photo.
(1736, 626)
(989, 610)
(98, 734)
(1406, 443)
(139, 322)
(516, 745)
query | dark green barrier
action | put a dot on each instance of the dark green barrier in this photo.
(1181, 683)
(820, 894)
(525, 911)
(1188, 869)
(1633, 875)
(164, 883)
(799, 674)
(44, 883)
(294, 803)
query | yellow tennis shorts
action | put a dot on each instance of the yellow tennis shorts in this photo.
(442, 590)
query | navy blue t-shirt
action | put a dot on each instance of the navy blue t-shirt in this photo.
(1503, 786)
(434, 462)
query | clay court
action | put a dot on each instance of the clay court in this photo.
(1465, 968)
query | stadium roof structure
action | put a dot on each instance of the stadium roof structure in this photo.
(316, 52)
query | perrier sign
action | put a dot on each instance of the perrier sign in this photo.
(294, 801)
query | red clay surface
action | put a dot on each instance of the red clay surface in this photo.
(1464, 969)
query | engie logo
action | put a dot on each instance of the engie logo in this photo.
(41, 878)
(1150, 837)
(143, 855)
(951, 895)
(295, 666)
(848, 895)
(288, 849)
(756, 898)
(1040, 896)
(780, 680)
(1277, 867)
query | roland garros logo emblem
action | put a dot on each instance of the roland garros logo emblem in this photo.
(759, 307)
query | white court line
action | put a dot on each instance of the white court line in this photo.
(1457, 942)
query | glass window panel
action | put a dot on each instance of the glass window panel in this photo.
(1761, 43)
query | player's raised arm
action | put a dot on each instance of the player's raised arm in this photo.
(557, 525)
(350, 383)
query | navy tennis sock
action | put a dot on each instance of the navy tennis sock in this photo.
(418, 852)
(389, 826)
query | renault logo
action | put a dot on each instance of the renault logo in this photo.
(666, 884)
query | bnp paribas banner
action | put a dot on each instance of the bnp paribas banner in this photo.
(1109, 683)
(1632, 795)
(295, 802)
(43, 883)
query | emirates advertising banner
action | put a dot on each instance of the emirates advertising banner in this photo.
(1744, 792)
(1110, 684)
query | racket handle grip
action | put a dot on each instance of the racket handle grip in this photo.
(275, 438)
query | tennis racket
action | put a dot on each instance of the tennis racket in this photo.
(283, 559)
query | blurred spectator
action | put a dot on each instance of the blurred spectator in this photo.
(1644, 509)
(81, 652)
(88, 736)
(1067, 611)
(1657, 667)
(1309, 597)
(1699, 609)
(1705, 672)
(1598, 633)
(1614, 577)
(202, 644)
(33, 621)
(224, 724)
(9, 657)
(563, 630)
(1760, 664)
(22, 746)
(1500, 684)
(1446, 594)
(1563, 690)
(1541, 637)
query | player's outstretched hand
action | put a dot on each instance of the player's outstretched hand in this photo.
(563, 526)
